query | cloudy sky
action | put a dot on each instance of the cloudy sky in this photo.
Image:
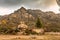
(8, 6)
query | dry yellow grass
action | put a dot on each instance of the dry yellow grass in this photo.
(29, 37)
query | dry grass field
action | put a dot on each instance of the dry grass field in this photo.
(30, 37)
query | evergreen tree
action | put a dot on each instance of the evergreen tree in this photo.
(38, 23)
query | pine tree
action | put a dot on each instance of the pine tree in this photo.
(38, 23)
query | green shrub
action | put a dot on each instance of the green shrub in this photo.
(8, 30)
(29, 32)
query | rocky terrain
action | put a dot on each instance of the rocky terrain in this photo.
(25, 19)
(50, 20)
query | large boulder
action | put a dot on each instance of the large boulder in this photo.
(22, 25)
(38, 31)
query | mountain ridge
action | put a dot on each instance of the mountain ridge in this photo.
(29, 16)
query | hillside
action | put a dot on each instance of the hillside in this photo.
(50, 20)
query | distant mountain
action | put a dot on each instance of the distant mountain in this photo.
(49, 19)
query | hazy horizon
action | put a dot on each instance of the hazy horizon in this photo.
(9, 6)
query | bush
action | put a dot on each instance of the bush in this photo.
(29, 32)
(8, 30)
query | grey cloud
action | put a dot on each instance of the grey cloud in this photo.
(30, 3)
